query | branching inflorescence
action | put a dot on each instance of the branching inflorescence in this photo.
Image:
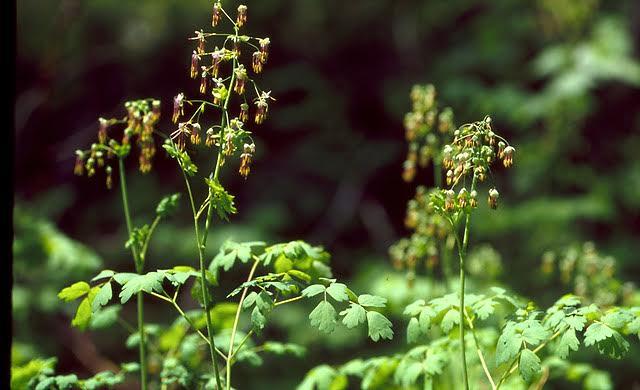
(225, 64)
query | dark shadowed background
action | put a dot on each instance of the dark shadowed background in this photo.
(561, 80)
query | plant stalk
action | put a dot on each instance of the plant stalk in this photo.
(237, 320)
(139, 268)
(203, 276)
(462, 252)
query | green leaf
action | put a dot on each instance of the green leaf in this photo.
(264, 302)
(509, 344)
(568, 342)
(313, 290)
(83, 314)
(529, 365)
(300, 275)
(182, 156)
(576, 322)
(106, 273)
(123, 277)
(74, 291)
(149, 282)
(249, 300)
(597, 332)
(533, 332)
(354, 315)
(484, 308)
(450, 319)
(105, 317)
(414, 308)
(408, 372)
(338, 291)
(258, 319)
(323, 317)
(379, 326)
(168, 205)
(319, 378)
(367, 300)
(413, 331)
(221, 200)
(426, 315)
(102, 297)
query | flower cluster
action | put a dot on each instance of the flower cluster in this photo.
(474, 148)
(420, 129)
(591, 274)
(223, 76)
(429, 228)
(139, 126)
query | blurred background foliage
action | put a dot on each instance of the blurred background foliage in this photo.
(560, 78)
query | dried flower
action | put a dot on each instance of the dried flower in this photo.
(195, 60)
(264, 48)
(257, 61)
(262, 107)
(216, 14)
(508, 156)
(179, 136)
(178, 107)
(242, 15)
(473, 199)
(109, 181)
(211, 137)
(228, 142)
(449, 202)
(195, 134)
(241, 79)
(103, 124)
(245, 159)
(203, 81)
(216, 59)
(409, 171)
(78, 169)
(493, 198)
(244, 112)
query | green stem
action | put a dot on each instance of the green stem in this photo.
(462, 252)
(237, 320)
(203, 276)
(479, 351)
(139, 268)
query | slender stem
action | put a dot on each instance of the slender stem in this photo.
(237, 320)
(203, 276)
(145, 246)
(288, 300)
(240, 345)
(139, 268)
(462, 252)
(514, 365)
(479, 351)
